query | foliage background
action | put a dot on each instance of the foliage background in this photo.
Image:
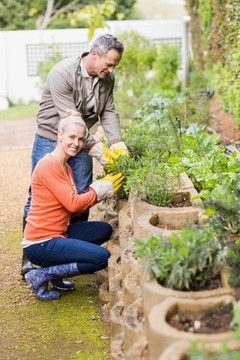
(216, 45)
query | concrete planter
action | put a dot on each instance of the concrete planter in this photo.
(150, 219)
(131, 287)
(117, 348)
(133, 324)
(125, 224)
(114, 265)
(165, 221)
(161, 335)
(154, 293)
(115, 290)
(178, 350)
(129, 262)
(138, 351)
(117, 319)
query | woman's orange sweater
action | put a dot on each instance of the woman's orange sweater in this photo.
(53, 200)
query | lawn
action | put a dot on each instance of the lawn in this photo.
(19, 111)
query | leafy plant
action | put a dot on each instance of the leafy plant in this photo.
(186, 260)
(233, 262)
(52, 57)
(144, 70)
(165, 68)
(94, 16)
(223, 207)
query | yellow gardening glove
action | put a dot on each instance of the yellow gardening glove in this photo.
(104, 155)
(117, 180)
(120, 151)
(109, 155)
(119, 148)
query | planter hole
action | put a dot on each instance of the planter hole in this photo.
(174, 220)
(212, 320)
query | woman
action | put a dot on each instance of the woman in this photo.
(63, 250)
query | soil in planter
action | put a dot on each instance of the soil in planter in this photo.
(185, 203)
(208, 322)
(210, 284)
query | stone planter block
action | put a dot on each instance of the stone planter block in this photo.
(128, 261)
(117, 319)
(115, 290)
(117, 352)
(113, 245)
(131, 287)
(186, 183)
(103, 292)
(102, 276)
(138, 208)
(161, 335)
(178, 350)
(114, 265)
(139, 350)
(133, 324)
(165, 221)
(154, 293)
(125, 224)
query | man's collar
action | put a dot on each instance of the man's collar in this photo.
(84, 71)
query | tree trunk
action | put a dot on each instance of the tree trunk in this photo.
(47, 17)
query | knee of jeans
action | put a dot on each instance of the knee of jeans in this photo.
(109, 231)
(105, 255)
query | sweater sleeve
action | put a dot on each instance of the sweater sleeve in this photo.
(56, 180)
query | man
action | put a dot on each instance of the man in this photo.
(84, 84)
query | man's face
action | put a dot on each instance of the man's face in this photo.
(105, 64)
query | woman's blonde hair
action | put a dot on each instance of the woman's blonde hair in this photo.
(70, 117)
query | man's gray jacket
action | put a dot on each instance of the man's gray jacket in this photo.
(64, 89)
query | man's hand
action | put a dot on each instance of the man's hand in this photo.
(102, 154)
(119, 148)
(110, 156)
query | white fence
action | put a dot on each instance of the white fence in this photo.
(21, 51)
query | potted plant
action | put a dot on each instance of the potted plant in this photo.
(192, 316)
(185, 265)
(202, 350)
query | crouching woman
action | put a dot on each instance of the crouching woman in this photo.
(61, 249)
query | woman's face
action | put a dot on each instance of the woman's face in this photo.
(71, 139)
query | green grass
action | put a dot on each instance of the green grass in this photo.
(19, 111)
(67, 328)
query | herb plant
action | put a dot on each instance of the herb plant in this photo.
(186, 260)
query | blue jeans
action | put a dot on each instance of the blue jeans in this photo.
(81, 165)
(81, 246)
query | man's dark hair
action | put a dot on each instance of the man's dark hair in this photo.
(107, 42)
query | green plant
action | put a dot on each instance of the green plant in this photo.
(144, 70)
(52, 57)
(215, 34)
(233, 262)
(155, 129)
(165, 68)
(184, 261)
(223, 207)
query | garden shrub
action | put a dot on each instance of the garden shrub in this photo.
(143, 70)
(186, 260)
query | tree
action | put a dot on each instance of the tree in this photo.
(95, 16)
(43, 14)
